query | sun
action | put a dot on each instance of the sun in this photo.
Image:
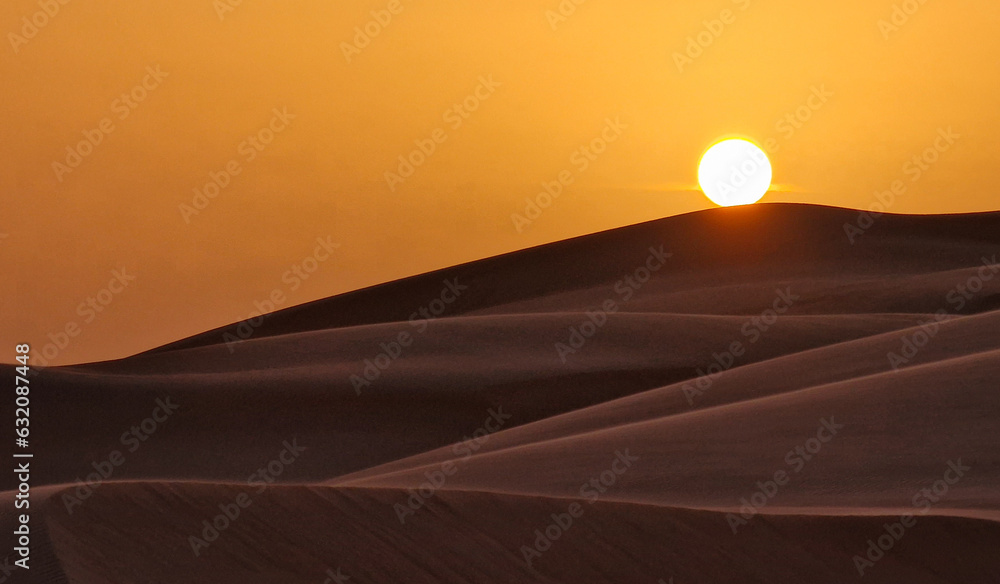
(734, 172)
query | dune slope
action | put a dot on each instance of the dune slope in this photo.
(747, 367)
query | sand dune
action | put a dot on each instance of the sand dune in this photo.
(738, 250)
(839, 362)
(304, 534)
(682, 364)
(237, 408)
(874, 459)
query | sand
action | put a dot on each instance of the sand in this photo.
(734, 395)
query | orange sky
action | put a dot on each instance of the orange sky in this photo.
(531, 87)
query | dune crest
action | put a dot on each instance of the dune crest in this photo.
(737, 395)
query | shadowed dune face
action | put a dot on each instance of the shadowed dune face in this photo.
(859, 362)
(233, 408)
(693, 358)
(300, 534)
(723, 261)
(851, 444)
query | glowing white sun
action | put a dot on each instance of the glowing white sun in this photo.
(734, 172)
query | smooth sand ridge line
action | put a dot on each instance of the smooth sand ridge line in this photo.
(203, 423)
(770, 510)
(492, 311)
(669, 476)
(814, 227)
(47, 492)
(520, 344)
(914, 371)
(579, 314)
(568, 314)
(819, 353)
(883, 287)
(422, 406)
(374, 474)
(446, 328)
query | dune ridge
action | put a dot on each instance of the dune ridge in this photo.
(764, 341)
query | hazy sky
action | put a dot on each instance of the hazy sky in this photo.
(299, 118)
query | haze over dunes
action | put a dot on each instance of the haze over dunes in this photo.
(733, 395)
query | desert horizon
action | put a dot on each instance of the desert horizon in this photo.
(240, 331)
(58, 340)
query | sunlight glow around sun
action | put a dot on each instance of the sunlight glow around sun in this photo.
(734, 172)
